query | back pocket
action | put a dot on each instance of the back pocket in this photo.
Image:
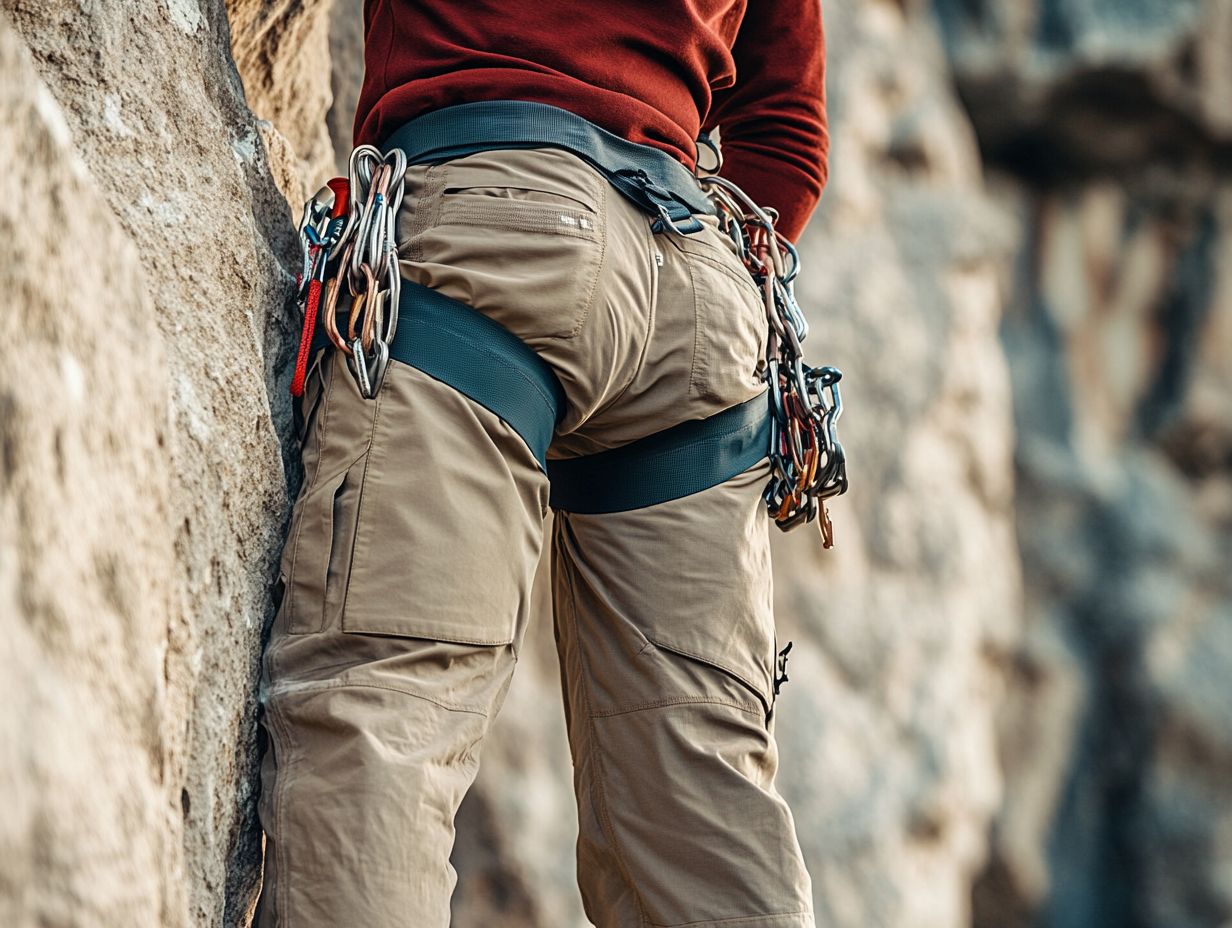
(730, 320)
(516, 235)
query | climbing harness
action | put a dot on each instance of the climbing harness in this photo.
(348, 234)
(651, 179)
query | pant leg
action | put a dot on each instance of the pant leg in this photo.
(666, 639)
(414, 543)
(407, 576)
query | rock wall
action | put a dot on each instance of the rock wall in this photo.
(1108, 127)
(950, 763)
(142, 489)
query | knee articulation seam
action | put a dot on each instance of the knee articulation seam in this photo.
(285, 689)
(677, 701)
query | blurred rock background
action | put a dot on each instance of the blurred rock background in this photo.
(1011, 687)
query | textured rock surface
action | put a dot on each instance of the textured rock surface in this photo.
(281, 49)
(1110, 127)
(142, 484)
(142, 489)
(902, 630)
(85, 599)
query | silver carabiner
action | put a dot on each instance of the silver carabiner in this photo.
(369, 372)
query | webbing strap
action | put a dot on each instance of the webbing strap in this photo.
(480, 358)
(484, 361)
(651, 178)
(667, 465)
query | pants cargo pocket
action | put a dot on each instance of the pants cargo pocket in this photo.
(518, 236)
(449, 523)
(322, 536)
(729, 319)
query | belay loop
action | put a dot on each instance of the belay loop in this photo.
(355, 243)
(808, 466)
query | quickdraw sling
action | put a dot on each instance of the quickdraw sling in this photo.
(348, 236)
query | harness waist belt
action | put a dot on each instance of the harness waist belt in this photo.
(652, 179)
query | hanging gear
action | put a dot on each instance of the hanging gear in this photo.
(805, 453)
(348, 232)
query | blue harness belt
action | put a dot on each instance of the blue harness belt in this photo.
(650, 178)
(456, 345)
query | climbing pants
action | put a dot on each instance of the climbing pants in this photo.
(407, 571)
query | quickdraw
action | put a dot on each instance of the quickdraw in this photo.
(348, 232)
(805, 453)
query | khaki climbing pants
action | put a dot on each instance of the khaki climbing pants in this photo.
(408, 568)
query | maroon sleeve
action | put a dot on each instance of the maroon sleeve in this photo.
(775, 143)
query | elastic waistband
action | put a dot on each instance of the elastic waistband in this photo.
(652, 179)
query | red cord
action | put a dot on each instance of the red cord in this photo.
(305, 338)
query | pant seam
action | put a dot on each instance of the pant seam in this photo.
(282, 771)
(677, 701)
(601, 192)
(652, 249)
(344, 684)
(595, 754)
(736, 921)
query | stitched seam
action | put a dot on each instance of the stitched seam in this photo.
(736, 921)
(650, 320)
(713, 663)
(345, 683)
(434, 184)
(602, 193)
(349, 684)
(691, 249)
(359, 508)
(596, 754)
(467, 190)
(282, 772)
(745, 282)
(699, 345)
(451, 639)
(677, 701)
(536, 218)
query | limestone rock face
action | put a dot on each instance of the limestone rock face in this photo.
(967, 738)
(1109, 130)
(142, 485)
(282, 52)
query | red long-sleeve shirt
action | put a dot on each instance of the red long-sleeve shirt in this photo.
(652, 71)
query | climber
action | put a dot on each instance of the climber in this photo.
(548, 314)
